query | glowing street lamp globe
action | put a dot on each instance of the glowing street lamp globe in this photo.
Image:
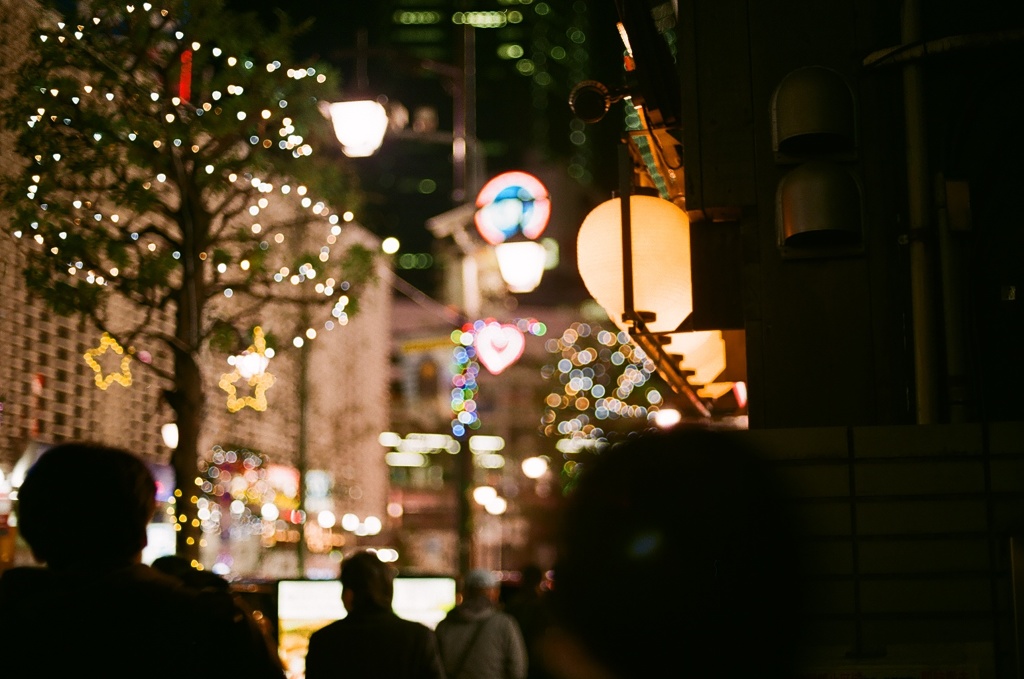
(359, 126)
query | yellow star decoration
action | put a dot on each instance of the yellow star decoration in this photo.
(124, 378)
(259, 382)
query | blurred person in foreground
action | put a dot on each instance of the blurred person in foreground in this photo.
(371, 641)
(479, 641)
(677, 557)
(94, 608)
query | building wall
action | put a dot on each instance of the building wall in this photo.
(914, 322)
(910, 538)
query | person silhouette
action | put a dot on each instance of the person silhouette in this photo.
(93, 607)
(371, 640)
(477, 640)
(677, 550)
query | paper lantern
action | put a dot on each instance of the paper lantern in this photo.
(703, 352)
(661, 260)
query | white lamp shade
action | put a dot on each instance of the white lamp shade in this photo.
(521, 264)
(661, 260)
(359, 126)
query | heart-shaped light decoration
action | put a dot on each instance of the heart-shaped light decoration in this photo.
(499, 346)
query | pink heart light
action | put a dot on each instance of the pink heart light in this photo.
(499, 346)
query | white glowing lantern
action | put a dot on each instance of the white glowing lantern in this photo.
(661, 260)
(521, 264)
(359, 126)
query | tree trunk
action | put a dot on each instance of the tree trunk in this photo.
(188, 403)
(189, 396)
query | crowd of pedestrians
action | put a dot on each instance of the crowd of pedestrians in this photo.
(688, 574)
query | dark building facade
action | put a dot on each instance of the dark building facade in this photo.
(850, 173)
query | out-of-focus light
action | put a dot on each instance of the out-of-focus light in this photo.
(496, 506)
(350, 522)
(535, 467)
(484, 494)
(395, 509)
(389, 439)
(490, 461)
(486, 444)
(387, 555)
(169, 432)
(373, 525)
(390, 245)
(667, 418)
(408, 459)
(326, 519)
(250, 364)
(269, 512)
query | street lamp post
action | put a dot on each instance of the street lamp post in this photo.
(461, 82)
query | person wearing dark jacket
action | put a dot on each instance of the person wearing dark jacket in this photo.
(93, 608)
(479, 641)
(371, 640)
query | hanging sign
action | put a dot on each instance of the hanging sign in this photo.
(511, 203)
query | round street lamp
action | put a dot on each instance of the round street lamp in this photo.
(358, 125)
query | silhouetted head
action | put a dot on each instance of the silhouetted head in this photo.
(480, 584)
(530, 576)
(677, 552)
(367, 582)
(86, 505)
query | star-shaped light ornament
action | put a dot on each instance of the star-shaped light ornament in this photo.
(124, 378)
(250, 366)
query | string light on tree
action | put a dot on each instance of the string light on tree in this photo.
(602, 385)
(168, 153)
(251, 367)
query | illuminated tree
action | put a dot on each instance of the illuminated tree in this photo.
(603, 387)
(167, 165)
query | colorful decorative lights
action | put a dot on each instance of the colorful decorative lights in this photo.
(499, 345)
(466, 368)
(600, 381)
(108, 343)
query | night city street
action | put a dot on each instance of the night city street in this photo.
(396, 276)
